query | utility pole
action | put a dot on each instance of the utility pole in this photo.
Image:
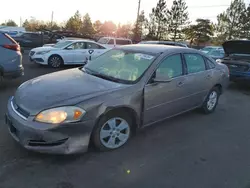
(52, 17)
(136, 36)
(20, 21)
(138, 12)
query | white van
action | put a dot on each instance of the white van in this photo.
(111, 42)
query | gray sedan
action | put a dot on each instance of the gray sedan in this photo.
(111, 97)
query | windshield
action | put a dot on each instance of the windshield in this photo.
(103, 40)
(122, 65)
(62, 44)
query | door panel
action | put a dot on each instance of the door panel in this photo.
(201, 77)
(162, 100)
(68, 56)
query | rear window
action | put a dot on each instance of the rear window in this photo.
(6, 39)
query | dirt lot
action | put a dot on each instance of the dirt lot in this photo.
(190, 151)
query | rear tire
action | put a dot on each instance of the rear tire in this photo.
(55, 61)
(112, 131)
(211, 101)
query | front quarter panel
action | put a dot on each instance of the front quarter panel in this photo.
(129, 97)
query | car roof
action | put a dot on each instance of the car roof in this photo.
(116, 38)
(78, 40)
(156, 48)
(164, 42)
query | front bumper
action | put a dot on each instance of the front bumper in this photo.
(40, 59)
(64, 139)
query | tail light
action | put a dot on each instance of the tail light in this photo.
(14, 47)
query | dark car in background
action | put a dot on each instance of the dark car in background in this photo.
(169, 43)
(237, 58)
(32, 40)
(10, 58)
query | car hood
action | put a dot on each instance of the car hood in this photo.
(43, 48)
(236, 47)
(57, 89)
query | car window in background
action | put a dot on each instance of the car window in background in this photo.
(90, 45)
(111, 41)
(120, 64)
(103, 40)
(122, 42)
(171, 66)
(216, 53)
(62, 44)
(195, 63)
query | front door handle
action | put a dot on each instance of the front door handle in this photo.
(180, 83)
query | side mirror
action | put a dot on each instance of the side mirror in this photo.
(69, 48)
(160, 78)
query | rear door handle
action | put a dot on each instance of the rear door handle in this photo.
(209, 76)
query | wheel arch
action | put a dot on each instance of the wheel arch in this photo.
(123, 109)
(58, 55)
(219, 86)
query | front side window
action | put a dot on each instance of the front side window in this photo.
(195, 63)
(171, 66)
(62, 44)
(77, 46)
(121, 64)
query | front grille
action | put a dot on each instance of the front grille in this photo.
(237, 67)
(19, 110)
(32, 53)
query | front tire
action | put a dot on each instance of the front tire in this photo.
(211, 101)
(55, 61)
(112, 131)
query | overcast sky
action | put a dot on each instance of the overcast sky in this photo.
(122, 11)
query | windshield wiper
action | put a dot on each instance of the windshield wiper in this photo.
(99, 75)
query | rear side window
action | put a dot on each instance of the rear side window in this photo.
(91, 45)
(210, 64)
(6, 39)
(122, 42)
(195, 63)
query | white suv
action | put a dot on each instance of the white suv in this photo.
(111, 42)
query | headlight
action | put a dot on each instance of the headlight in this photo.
(65, 114)
(218, 60)
(43, 52)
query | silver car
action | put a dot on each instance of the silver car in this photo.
(111, 97)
